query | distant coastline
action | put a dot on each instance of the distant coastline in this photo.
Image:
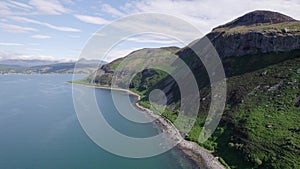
(199, 155)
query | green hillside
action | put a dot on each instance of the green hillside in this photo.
(260, 125)
(133, 62)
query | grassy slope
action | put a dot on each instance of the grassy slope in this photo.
(134, 61)
(290, 26)
(259, 128)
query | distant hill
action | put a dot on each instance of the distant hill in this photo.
(26, 63)
(40, 66)
(8, 68)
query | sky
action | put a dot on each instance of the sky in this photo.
(59, 29)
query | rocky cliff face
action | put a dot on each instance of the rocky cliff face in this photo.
(256, 32)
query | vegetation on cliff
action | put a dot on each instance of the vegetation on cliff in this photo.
(260, 125)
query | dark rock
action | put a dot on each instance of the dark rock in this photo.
(148, 72)
(276, 87)
(285, 30)
(294, 83)
(297, 104)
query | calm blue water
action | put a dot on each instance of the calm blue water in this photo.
(39, 129)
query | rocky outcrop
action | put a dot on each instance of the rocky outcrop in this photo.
(254, 33)
(239, 44)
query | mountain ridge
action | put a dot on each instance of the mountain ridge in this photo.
(43, 66)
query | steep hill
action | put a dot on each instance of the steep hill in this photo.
(260, 52)
(131, 62)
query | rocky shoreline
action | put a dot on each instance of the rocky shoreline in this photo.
(202, 157)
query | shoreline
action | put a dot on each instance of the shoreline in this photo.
(197, 154)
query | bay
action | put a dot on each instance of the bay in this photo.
(39, 129)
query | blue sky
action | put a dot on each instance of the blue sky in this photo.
(59, 29)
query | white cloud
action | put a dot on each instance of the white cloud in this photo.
(10, 7)
(51, 7)
(4, 9)
(117, 53)
(33, 49)
(152, 40)
(207, 14)
(111, 10)
(20, 5)
(97, 34)
(59, 28)
(92, 19)
(167, 26)
(41, 37)
(10, 44)
(15, 28)
(204, 14)
(74, 36)
(70, 2)
(24, 56)
(35, 7)
(34, 44)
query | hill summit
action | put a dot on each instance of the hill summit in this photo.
(258, 17)
(255, 33)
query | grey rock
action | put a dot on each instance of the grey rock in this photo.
(229, 40)
(276, 87)
(269, 126)
(264, 73)
(250, 43)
